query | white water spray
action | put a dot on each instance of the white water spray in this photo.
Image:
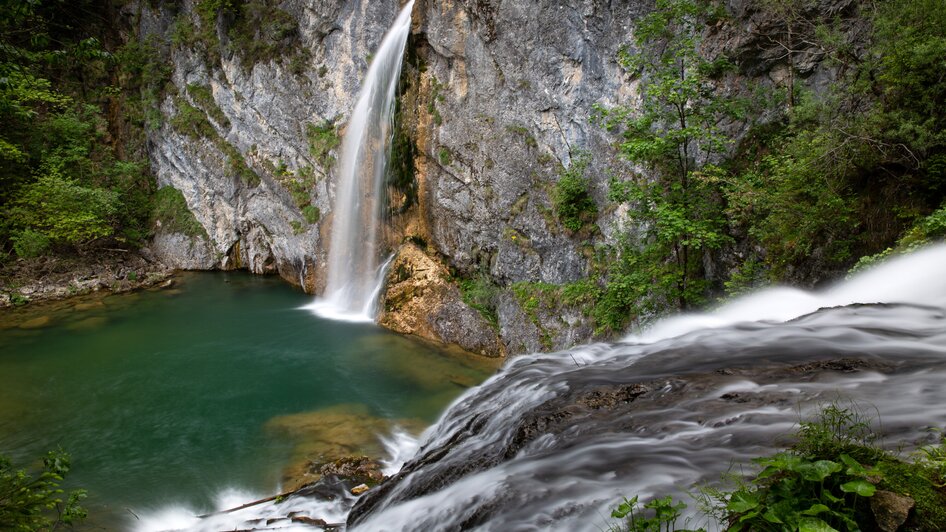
(917, 278)
(355, 274)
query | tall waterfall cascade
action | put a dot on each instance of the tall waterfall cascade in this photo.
(355, 268)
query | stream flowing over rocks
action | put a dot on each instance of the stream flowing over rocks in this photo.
(555, 441)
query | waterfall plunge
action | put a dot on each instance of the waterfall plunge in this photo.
(355, 274)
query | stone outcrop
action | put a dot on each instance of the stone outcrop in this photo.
(421, 299)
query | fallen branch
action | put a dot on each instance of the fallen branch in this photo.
(248, 505)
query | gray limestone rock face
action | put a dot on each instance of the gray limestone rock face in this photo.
(263, 113)
(515, 86)
(511, 89)
(500, 96)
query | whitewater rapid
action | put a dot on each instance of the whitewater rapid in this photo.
(554, 441)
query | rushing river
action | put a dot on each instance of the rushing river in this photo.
(205, 394)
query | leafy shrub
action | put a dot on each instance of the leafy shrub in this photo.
(637, 519)
(573, 204)
(28, 243)
(65, 211)
(28, 504)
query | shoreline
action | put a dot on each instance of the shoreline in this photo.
(27, 282)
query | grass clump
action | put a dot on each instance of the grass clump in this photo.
(481, 294)
(323, 138)
(170, 210)
(312, 214)
(203, 97)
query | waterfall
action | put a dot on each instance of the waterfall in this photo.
(555, 440)
(355, 272)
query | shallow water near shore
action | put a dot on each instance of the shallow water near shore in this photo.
(177, 396)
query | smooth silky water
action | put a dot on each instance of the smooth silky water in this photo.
(173, 397)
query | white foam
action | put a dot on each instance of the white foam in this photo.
(918, 278)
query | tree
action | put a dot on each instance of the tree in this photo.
(673, 136)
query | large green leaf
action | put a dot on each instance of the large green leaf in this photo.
(742, 501)
(813, 524)
(860, 487)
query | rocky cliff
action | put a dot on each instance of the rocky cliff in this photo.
(496, 101)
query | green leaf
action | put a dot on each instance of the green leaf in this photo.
(625, 508)
(860, 487)
(816, 509)
(742, 501)
(772, 517)
(818, 471)
(813, 524)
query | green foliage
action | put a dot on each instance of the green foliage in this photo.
(800, 493)
(482, 294)
(29, 243)
(203, 97)
(323, 138)
(749, 276)
(257, 31)
(573, 204)
(312, 214)
(192, 122)
(64, 211)
(28, 503)
(854, 166)
(171, 211)
(663, 515)
(144, 68)
(838, 430)
(822, 483)
(237, 164)
(825, 479)
(672, 133)
(263, 31)
(444, 156)
(797, 199)
(928, 229)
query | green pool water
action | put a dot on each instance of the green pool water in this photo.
(223, 381)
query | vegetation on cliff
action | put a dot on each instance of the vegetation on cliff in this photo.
(73, 167)
(824, 176)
